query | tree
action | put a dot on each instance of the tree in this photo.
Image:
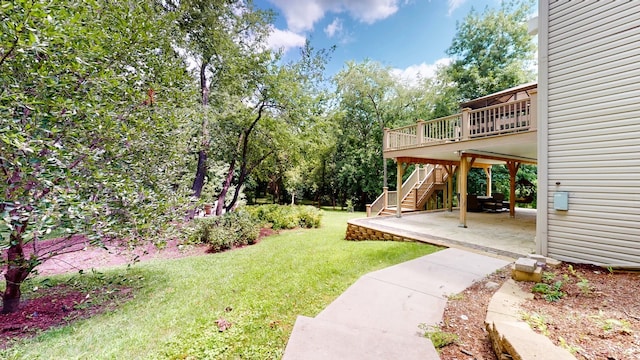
(367, 88)
(370, 99)
(280, 103)
(88, 141)
(224, 38)
(492, 51)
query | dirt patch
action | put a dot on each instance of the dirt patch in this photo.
(598, 317)
(86, 257)
(58, 305)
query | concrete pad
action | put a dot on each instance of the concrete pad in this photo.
(315, 339)
(465, 260)
(494, 233)
(434, 279)
(376, 304)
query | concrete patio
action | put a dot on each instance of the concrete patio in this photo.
(494, 233)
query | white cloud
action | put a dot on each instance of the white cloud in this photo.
(414, 73)
(284, 40)
(454, 4)
(370, 11)
(301, 15)
(335, 28)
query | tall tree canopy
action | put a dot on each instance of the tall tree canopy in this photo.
(225, 39)
(88, 141)
(492, 51)
(370, 99)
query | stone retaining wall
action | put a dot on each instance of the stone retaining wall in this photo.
(358, 233)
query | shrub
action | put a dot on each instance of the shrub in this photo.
(287, 216)
(224, 232)
(309, 217)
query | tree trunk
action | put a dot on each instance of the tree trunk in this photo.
(225, 188)
(18, 268)
(236, 194)
(201, 173)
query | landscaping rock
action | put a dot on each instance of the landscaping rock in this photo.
(518, 275)
(526, 265)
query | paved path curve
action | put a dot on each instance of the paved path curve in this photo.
(378, 316)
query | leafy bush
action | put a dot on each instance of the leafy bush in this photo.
(287, 216)
(224, 232)
(551, 293)
(309, 217)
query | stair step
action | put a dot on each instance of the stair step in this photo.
(313, 339)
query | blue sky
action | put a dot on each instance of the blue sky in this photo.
(411, 36)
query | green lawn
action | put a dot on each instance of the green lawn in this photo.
(260, 290)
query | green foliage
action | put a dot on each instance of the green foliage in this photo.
(584, 286)
(370, 99)
(551, 293)
(573, 349)
(617, 326)
(287, 216)
(548, 276)
(224, 232)
(438, 337)
(90, 140)
(492, 51)
(537, 322)
(583, 283)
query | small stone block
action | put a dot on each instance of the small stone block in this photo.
(554, 262)
(539, 258)
(526, 265)
(518, 275)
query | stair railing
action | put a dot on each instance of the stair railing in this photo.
(420, 182)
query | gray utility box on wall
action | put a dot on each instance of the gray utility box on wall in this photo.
(561, 200)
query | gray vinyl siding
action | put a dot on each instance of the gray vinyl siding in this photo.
(593, 110)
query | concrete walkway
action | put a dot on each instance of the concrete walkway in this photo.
(378, 316)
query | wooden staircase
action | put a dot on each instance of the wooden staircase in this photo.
(419, 187)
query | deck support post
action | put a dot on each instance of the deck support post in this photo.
(487, 173)
(451, 171)
(399, 189)
(462, 186)
(513, 167)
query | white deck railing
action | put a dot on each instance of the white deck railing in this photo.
(500, 119)
(470, 124)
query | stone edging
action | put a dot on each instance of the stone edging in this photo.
(359, 233)
(513, 337)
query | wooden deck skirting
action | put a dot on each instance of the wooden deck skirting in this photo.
(361, 233)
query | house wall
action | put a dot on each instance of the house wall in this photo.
(589, 115)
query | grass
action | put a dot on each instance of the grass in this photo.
(438, 337)
(259, 289)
